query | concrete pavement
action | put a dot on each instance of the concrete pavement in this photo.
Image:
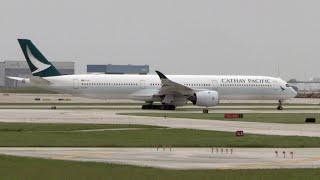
(182, 158)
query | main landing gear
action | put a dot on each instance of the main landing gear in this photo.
(159, 106)
(280, 105)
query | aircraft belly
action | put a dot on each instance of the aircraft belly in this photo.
(248, 94)
(109, 93)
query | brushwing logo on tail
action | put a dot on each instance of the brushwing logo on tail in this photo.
(39, 65)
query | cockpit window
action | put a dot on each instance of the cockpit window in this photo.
(287, 85)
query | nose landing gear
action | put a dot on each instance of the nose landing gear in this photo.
(280, 107)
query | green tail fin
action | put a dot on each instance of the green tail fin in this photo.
(38, 64)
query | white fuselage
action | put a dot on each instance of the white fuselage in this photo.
(143, 87)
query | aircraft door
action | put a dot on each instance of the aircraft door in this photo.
(142, 84)
(215, 85)
(75, 83)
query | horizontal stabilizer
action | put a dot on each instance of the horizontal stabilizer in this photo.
(33, 80)
(16, 78)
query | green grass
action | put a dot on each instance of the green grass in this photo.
(290, 118)
(33, 168)
(39, 127)
(64, 135)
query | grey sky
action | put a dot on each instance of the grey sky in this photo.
(175, 36)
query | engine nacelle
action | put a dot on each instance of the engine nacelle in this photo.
(206, 98)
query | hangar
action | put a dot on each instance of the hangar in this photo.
(21, 69)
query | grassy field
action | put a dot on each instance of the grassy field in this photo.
(32, 168)
(53, 127)
(68, 135)
(291, 118)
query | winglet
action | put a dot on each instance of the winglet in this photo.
(161, 75)
(168, 86)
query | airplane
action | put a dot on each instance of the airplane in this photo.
(170, 90)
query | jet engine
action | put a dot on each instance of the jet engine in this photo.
(205, 98)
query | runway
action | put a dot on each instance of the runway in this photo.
(182, 158)
(111, 117)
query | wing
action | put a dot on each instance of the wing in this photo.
(170, 87)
